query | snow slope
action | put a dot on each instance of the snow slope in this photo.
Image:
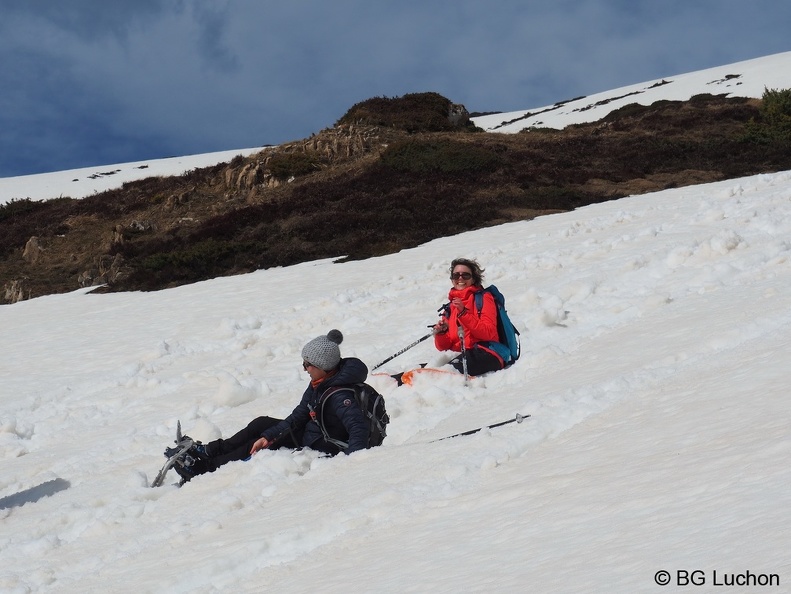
(79, 183)
(741, 79)
(655, 366)
(655, 334)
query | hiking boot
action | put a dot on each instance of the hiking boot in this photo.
(185, 472)
(196, 450)
(200, 450)
(193, 461)
(191, 464)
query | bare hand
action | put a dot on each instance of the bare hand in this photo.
(458, 304)
(439, 328)
(260, 444)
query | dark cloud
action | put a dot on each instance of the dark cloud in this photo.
(89, 19)
(87, 83)
(212, 21)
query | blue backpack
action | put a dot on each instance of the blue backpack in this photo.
(508, 346)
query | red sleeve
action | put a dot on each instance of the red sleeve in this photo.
(444, 342)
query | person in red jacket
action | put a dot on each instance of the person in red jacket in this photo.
(466, 278)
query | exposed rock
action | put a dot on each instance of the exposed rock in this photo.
(108, 270)
(15, 291)
(118, 235)
(333, 145)
(32, 251)
(175, 200)
(141, 226)
(458, 114)
(85, 278)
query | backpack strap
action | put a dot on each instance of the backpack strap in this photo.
(318, 416)
(479, 301)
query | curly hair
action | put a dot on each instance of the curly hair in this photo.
(475, 269)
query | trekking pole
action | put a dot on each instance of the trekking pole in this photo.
(463, 354)
(518, 419)
(402, 351)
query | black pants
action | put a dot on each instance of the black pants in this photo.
(237, 447)
(479, 362)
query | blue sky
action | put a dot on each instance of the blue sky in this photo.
(92, 82)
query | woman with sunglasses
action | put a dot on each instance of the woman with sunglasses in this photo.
(343, 418)
(466, 277)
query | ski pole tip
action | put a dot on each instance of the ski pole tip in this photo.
(519, 418)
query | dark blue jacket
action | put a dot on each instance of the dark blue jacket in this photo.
(343, 418)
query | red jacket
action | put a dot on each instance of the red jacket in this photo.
(476, 328)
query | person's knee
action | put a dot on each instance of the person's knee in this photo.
(261, 424)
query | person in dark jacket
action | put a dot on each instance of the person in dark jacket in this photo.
(343, 419)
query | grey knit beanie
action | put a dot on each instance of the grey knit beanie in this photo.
(323, 351)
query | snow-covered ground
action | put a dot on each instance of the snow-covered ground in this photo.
(655, 333)
(741, 79)
(80, 183)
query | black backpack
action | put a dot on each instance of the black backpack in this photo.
(371, 402)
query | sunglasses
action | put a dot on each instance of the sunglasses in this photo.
(458, 275)
(305, 365)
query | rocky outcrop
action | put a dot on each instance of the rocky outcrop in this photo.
(108, 270)
(458, 114)
(344, 142)
(33, 250)
(332, 146)
(16, 290)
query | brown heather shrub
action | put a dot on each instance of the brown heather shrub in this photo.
(445, 156)
(284, 166)
(414, 112)
(421, 186)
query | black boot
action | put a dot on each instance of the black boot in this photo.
(192, 462)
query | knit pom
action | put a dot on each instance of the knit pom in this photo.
(335, 336)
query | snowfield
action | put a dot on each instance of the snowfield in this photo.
(655, 370)
(749, 78)
(655, 364)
